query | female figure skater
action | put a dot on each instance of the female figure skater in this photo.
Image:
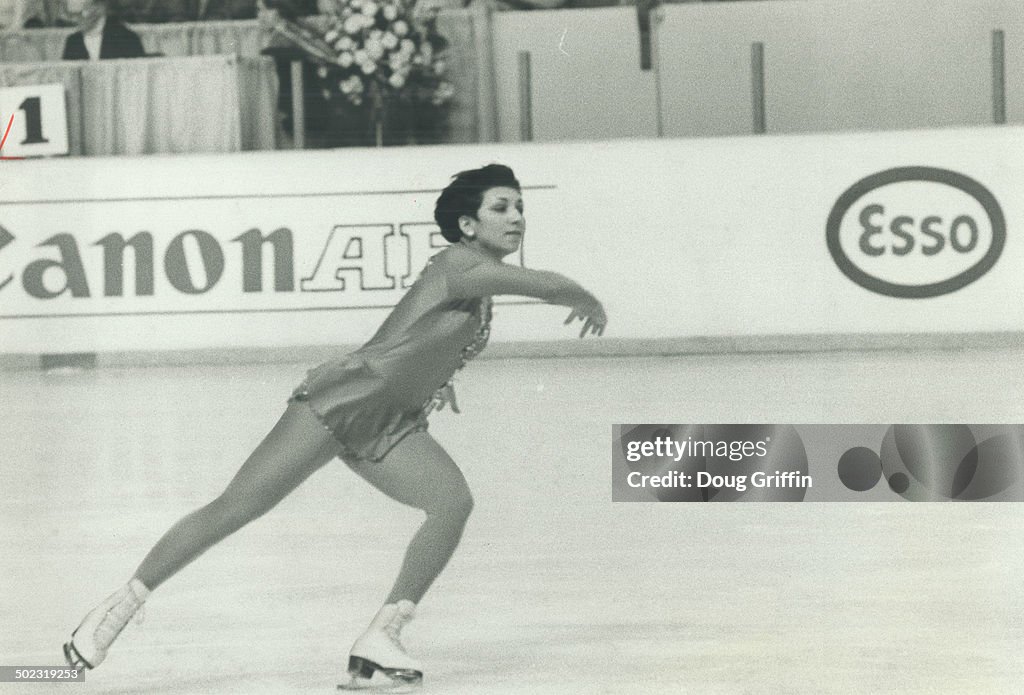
(370, 409)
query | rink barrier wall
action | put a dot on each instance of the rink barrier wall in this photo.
(718, 242)
(596, 349)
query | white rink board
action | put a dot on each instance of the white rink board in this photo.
(679, 238)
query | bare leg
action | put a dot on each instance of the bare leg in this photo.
(421, 474)
(297, 446)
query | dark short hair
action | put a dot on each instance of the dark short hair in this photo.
(465, 193)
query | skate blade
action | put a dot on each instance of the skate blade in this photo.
(380, 683)
(74, 659)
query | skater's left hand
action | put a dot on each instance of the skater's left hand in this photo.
(593, 318)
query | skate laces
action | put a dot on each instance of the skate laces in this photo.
(393, 632)
(118, 616)
(393, 629)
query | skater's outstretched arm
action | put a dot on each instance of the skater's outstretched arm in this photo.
(488, 279)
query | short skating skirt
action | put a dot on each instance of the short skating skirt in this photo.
(359, 407)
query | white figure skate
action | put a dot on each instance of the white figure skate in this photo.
(90, 641)
(378, 661)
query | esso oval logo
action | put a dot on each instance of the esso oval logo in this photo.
(916, 232)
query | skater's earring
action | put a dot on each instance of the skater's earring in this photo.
(466, 227)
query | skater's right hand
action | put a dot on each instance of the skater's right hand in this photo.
(446, 396)
(442, 397)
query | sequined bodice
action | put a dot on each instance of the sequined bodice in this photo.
(446, 392)
(483, 333)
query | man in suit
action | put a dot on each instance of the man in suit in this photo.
(101, 35)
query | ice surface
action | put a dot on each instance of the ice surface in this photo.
(555, 589)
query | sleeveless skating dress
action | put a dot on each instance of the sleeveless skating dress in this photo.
(372, 398)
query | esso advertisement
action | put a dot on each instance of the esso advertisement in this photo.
(916, 232)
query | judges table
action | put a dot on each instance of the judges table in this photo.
(212, 103)
(471, 118)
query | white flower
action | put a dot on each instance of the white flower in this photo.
(400, 28)
(390, 12)
(368, 67)
(331, 36)
(369, 8)
(354, 24)
(346, 43)
(374, 50)
(321, 71)
(361, 56)
(397, 81)
(345, 59)
(376, 34)
(408, 46)
(352, 85)
(427, 51)
(439, 66)
(389, 40)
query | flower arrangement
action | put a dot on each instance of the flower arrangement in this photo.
(378, 55)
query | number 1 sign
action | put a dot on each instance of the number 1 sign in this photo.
(40, 123)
